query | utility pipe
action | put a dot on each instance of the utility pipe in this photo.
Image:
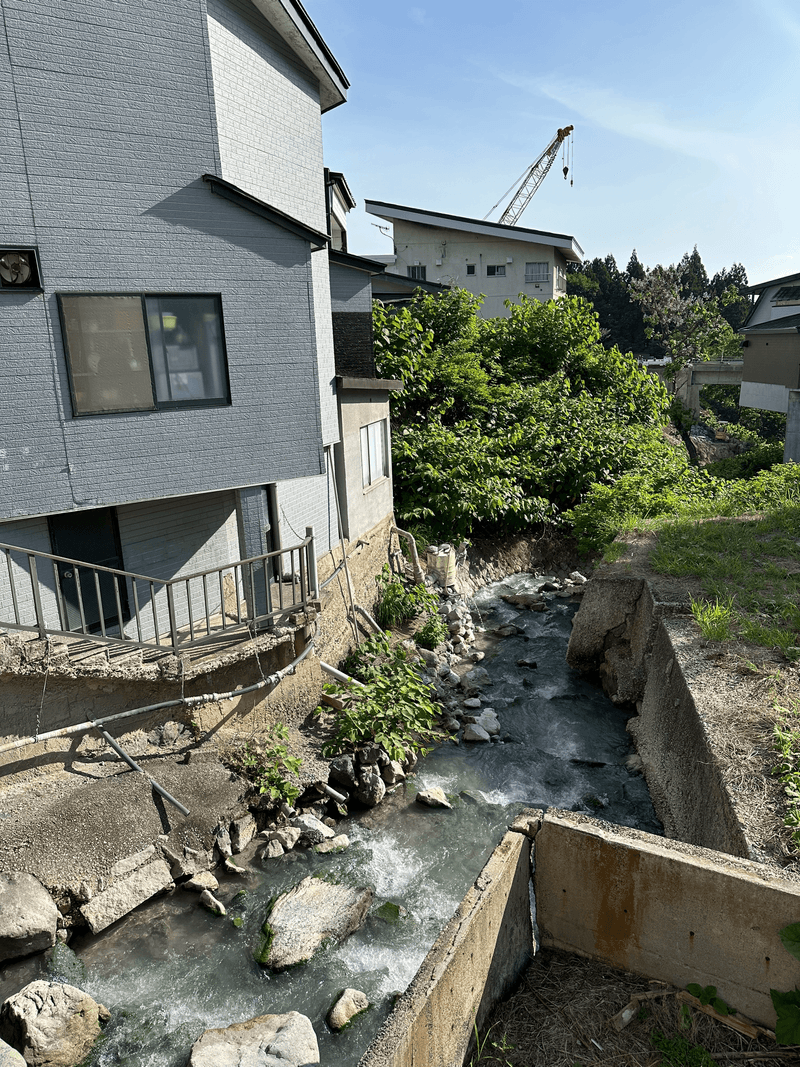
(378, 629)
(205, 698)
(340, 676)
(329, 450)
(135, 766)
(419, 574)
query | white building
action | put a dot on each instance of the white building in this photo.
(484, 257)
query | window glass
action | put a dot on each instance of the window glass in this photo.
(537, 272)
(470, 268)
(498, 271)
(107, 348)
(417, 272)
(374, 453)
(186, 344)
(135, 353)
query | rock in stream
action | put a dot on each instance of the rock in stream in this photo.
(313, 912)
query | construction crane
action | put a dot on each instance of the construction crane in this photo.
(531, 181)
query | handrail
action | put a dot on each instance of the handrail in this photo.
(58, 595)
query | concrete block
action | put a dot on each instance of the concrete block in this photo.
(124, 896)
(665, 910)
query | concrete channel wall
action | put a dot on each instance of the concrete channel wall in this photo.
(659, 908)
(474, 963)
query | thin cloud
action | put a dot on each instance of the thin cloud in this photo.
(418, 15)
(782, 15)
(639, 119)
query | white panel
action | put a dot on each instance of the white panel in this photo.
(764, 396)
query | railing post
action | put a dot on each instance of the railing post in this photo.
(311, 556)
(173, 626)
(37, 599)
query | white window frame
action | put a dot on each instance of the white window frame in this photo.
(497, 270)
(374, 452)
(417, 272)
(470, 269)
(537, 273)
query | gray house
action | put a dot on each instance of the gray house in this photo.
(168, 403)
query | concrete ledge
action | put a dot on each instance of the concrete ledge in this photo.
(474, 963)
(665, 910)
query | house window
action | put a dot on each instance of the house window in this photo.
(416, 272)
(537, 272)
(470, 268)
(142, 352)
(496, 272)
(374, 453)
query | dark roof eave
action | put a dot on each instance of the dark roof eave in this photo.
(761, 286)
(785, 324)
(502, 230)
(296, 27)
(250, 203)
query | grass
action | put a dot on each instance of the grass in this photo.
(749, 571)
(786, 739)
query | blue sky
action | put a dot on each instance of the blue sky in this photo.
(687, 128)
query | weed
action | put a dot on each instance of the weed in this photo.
(483, 1047)
(392, 707)
(786, 739)
(677, 1051)
(708, 995)
(267, 762)
(787, 1005)
(399, 602)
(613, 552)
(715, 620)
(433, 632)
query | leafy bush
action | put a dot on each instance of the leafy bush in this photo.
(399, 602)
(764, 455)
(267, 762)
(504, 423)
(433, 632)
(392, 708)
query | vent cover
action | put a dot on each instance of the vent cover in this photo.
(19, 268)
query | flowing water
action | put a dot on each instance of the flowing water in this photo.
(172, 970)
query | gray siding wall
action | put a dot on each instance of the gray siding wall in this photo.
(270, 141)
(308, 502)
(168, 538)
(117, 121)
(351, 290)
(35, 535)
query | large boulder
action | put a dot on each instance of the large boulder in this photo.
(266, 1041)
(303, 918)
(9, 1057)
(52, 1024)
(28, 916)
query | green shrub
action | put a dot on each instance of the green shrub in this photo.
(433, 632)
(392, 708)
(267, 762)
(400, 602)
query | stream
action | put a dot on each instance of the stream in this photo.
(171, 970)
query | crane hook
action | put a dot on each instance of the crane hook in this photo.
(566, 172)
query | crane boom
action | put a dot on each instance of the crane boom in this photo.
(533, 179)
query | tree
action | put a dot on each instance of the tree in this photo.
(689, 326)
(504, 423)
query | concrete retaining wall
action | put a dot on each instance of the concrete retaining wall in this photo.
(658, 908)
(630, 634)
(476, 960)
(665, 910)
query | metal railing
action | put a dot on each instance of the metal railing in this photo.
(54, 595)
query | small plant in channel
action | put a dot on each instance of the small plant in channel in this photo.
(267, 764)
